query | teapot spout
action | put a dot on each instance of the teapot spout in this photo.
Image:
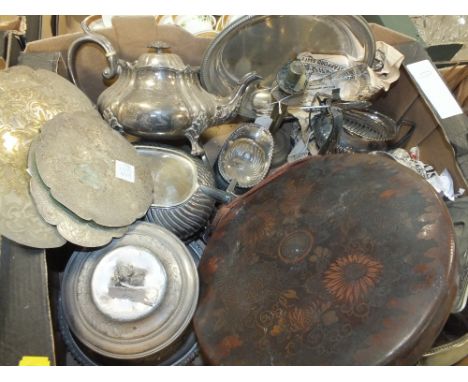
(227, 109)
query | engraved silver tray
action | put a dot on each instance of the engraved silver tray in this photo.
(92, 170)
(28, 99)
(71, 227)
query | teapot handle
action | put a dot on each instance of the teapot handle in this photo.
(89, 36)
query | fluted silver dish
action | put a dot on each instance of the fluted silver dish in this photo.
(179, 203)
(246, 155)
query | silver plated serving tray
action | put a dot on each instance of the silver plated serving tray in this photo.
(92, 170)
(265, 43)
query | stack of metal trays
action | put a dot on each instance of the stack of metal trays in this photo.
(28, 99)
(87, 180)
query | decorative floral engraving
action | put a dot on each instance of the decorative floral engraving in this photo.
(351, 277)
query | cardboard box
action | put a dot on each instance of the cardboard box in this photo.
(12, 31)
(62, 25)
(433, 134)
(130, 37)
(25, 313)
(456, 77)
(404, 99)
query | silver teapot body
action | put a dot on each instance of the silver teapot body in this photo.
(157, 97)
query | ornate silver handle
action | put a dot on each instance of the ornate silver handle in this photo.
(219, 195)
(111, 55)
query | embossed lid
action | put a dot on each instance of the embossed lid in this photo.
(336, 260)
(160, 59)
(134, 297)
(28, 99)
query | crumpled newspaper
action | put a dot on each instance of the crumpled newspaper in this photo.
(442, 183)
(354, 79)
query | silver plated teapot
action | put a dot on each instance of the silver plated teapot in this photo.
(158, 97)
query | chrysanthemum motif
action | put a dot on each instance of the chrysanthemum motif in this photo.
(259, 227)
(349, 278)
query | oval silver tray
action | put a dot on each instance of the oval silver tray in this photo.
(265, 43)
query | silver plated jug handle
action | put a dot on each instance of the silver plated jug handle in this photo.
(218, 195)
(89, 36)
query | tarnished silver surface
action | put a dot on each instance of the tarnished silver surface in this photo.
(157, 97)
(462, 294)
(134, 297)
(447, 354)
(71, 227)
(128, 283)
(92, 170)
(357, 130)
(197, 247)
(265, 43)
(28, 99)
(246, 155)
(178, 202)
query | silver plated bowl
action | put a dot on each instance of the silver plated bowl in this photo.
(361, 131)
(133, 298)
(246, 155)
(179, 203)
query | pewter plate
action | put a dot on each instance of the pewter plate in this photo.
(28, 98)
(136, 296)
(265, 43)
(70, 226)
(92, 170)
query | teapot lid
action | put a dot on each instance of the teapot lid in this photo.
(160, 59)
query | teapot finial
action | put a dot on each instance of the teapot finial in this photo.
(159, 46)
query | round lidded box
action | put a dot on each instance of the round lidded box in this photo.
(335, 260)
(133, 298)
